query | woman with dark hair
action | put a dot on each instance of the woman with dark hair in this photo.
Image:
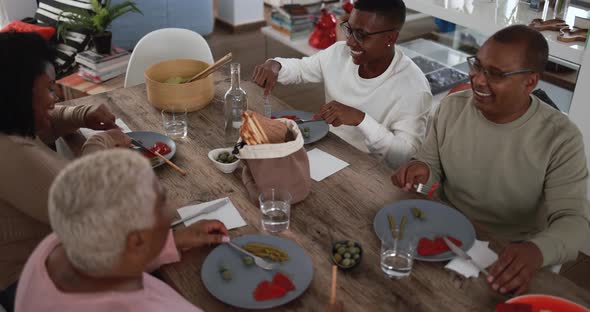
(29, 122)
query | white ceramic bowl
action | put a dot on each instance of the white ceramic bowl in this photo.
(226, 168)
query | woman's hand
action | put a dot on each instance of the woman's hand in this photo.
(100, 118)
(202, 233)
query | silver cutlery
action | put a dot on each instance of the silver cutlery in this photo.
(462, 254)
(302, 121)
(203, 211)
(426, 189)
(263, 264)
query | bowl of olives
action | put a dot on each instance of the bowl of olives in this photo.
(347, 254)
(224, 160)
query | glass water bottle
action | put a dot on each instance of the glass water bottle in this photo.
(236, 103)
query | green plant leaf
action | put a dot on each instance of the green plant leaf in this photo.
(96, 20)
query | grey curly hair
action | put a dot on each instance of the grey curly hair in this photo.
(96, 202)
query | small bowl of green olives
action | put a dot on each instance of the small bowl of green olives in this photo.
(346, 254)
(224, 160)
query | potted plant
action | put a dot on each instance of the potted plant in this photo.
(95, 21)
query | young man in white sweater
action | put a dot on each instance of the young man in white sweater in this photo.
(377, 99)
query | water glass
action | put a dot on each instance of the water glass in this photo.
(175, 123)
(275, 205)
(397, 255)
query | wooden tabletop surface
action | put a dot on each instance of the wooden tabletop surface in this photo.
(340, 207)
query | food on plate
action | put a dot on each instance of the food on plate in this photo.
(514, 307)
(277, 288)
(392, 225)
(267, 290)
(283, 281)
(346, 254)
(428, 247)
(177, 80)
(226, 158)
(267, 251)
(306, 132)
(292, 117)
(248, 260)
(226, 274)
(418, 214)
(257, 129)
(160, 147)
(402, 227)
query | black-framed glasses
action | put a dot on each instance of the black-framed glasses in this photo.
(492, 75)
(360, 35)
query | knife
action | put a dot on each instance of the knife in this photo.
(464, 255)
(203, 211)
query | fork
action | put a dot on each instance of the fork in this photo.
(425, 189)
(263, 264)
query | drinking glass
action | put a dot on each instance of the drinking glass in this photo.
(275, 205)
(175, 123)
(397, 255)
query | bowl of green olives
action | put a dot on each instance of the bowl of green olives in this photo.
(224, 160)
(346, 254)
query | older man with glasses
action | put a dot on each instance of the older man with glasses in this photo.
(377, 99)
(510, 162)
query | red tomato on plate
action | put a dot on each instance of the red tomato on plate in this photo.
(159, 147)
(428, 247)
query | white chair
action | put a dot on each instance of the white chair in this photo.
(165, 44)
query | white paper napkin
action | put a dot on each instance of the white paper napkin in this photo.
(323, 165)
(89, 132)
(228, 214)
(480, 253)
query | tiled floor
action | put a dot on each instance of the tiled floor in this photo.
(251, 48)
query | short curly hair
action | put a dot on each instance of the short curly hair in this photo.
(393, 10)
(23, 58)
(96, 201)
(536, 49)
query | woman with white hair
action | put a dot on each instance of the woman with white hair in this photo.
(111, 224)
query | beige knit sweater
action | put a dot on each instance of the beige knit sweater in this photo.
(27, 168)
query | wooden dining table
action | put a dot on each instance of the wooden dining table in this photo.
(341, 207)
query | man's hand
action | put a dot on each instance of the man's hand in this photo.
(338, 114)
(515, 268)
(409, 174)
(119, 138)
(266, 75)
(100, 118)
(202, 233)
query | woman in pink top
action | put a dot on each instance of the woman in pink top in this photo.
(111, 224)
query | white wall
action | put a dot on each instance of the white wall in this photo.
(580, 114)
(239, 12)
(11, 10)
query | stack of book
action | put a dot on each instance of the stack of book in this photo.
(292, 20)
(102, 67)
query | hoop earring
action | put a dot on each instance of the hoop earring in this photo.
(389, 45)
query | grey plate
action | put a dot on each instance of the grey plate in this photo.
(148, 139)
(239, 291)
(440, 220)
(317, 130)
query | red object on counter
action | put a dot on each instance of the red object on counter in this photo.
(324, 34)
(347, 6)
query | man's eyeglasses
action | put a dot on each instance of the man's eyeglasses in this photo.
(492, 75)
(360, 35)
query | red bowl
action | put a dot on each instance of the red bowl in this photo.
(544, 302)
